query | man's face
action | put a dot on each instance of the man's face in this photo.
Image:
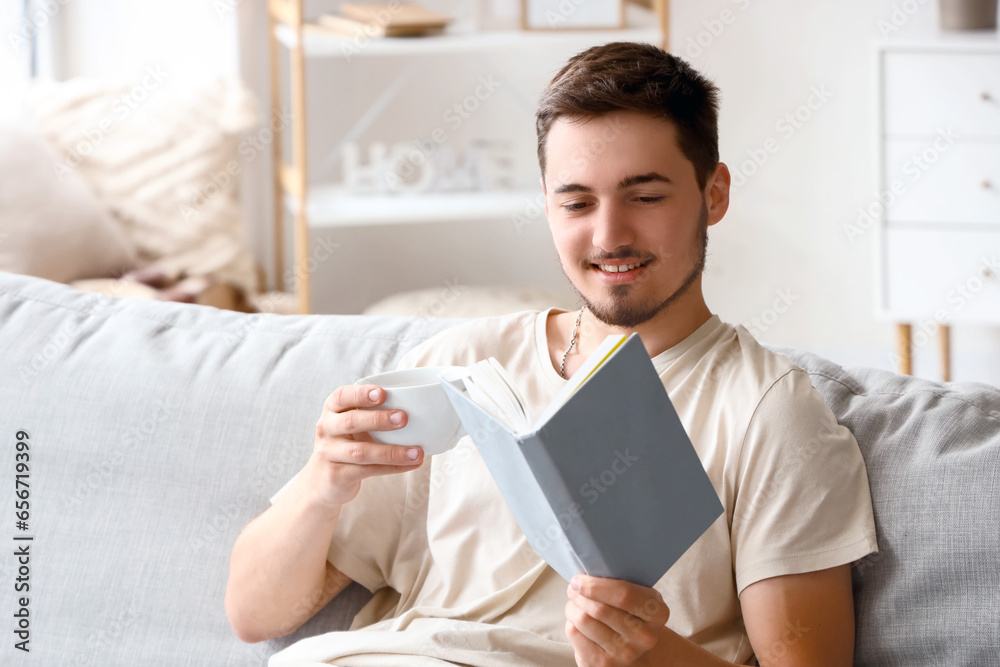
(618, 190)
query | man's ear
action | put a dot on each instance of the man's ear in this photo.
(717, 193)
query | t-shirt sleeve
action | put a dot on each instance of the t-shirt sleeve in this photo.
(802, 497)
(418, 355)
(367, 536)
(368, 529)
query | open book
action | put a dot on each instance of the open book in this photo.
(605, 481)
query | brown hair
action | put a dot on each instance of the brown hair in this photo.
(630, 76)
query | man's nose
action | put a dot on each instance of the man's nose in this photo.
(612, 227)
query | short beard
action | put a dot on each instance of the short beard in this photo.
(629, 316)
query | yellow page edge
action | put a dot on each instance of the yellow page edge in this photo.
(594, 369)
(600, 363)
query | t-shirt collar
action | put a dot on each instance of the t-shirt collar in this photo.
(661, 362)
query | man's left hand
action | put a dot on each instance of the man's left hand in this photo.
(612, 622)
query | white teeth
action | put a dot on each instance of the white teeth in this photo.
(618, 269)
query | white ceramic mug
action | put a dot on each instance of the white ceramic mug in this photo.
(432, 423)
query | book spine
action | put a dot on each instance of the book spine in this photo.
(570, 514)
(503, 455)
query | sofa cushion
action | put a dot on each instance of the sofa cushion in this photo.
(929, 596)
(157, 431)
(51, 224)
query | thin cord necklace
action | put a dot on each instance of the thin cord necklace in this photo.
(572, 341)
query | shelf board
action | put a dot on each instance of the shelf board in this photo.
(987, 41)
(319, 42)
(334, 207)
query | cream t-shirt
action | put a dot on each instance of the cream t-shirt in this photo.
(455, 580)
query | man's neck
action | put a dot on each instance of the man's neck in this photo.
(671, 326)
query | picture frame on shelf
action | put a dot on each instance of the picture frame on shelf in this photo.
(572, 14)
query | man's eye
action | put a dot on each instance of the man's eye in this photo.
(649, 200)
(575, 206)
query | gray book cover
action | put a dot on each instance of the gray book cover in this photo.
(610, 485)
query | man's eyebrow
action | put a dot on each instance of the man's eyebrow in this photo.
(651, 177)
(627, 182)
(571, 187)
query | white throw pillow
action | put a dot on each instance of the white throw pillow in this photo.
(166, 157)
(52, 226)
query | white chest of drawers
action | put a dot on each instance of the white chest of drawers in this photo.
(938, 204)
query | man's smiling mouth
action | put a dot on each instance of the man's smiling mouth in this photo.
(619, 267)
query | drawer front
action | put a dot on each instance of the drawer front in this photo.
(942, 183)
(926, 92)
(953, 276)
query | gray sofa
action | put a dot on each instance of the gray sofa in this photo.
(156, 431)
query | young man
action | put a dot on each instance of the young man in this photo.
(628, 148)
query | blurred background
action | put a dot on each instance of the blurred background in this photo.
(139, 141)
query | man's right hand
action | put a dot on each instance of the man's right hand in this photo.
(279, 573)
(343, 452)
